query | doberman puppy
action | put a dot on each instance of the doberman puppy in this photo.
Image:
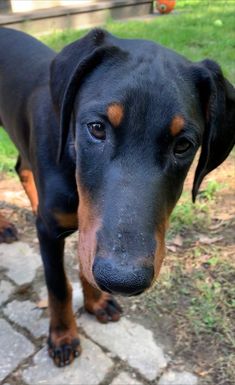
(107, 130)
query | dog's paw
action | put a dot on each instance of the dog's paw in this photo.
(8, 232)
(63, 348)
(106, 308)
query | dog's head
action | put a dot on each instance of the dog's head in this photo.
(137, 113)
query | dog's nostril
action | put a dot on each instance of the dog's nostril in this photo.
(114, 278)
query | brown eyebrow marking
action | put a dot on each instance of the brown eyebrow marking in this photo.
(177, 125)
(115, 113)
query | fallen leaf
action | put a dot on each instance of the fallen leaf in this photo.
(205, 257)
(42, 304)
(216, 226)
(177, 241)
(23, 289)
(223, 216)
(171, 248)
(208, 241)
(202, 373)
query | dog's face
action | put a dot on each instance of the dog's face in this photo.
(139, 113)
(136, 139)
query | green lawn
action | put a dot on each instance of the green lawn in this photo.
(8, 153)
(192, 31)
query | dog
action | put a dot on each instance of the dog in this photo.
(106, 132)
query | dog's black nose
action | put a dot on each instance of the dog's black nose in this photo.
(125, 280)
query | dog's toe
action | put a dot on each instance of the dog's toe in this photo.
(64, 354)
(107, 309)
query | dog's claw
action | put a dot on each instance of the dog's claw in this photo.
(106, 309)
(63, 355)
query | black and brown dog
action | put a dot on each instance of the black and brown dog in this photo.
(106, 131)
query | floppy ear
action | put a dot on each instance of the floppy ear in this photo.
(68, 70)
(217, 97)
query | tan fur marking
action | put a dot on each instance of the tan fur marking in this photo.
(177, 125)
(27, 180)
(93, 299)
(97, 302)
(160, 252)
(67, 220)
(89, 224)
(115, 114)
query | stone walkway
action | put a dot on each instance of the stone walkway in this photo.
(123, 353)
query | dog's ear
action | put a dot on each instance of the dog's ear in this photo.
(69, 69)
(217, 98)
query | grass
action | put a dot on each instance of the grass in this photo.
(188, 216)
(195, 297)
(211, 189)
(192, 31)
(208, 302)
(8, 153)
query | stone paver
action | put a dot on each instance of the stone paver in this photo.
(178, 378)
(25, 314)
(20, 260)
(78, 300)
(131, 342)
(14, 348)
(77, 296)
(6, 289)
(125, 379)
(90, 368)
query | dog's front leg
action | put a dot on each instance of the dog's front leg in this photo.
(63, 342)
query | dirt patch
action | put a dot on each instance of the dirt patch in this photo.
(191, 310)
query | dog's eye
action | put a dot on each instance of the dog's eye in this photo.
(181, 146)
(97, 130)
